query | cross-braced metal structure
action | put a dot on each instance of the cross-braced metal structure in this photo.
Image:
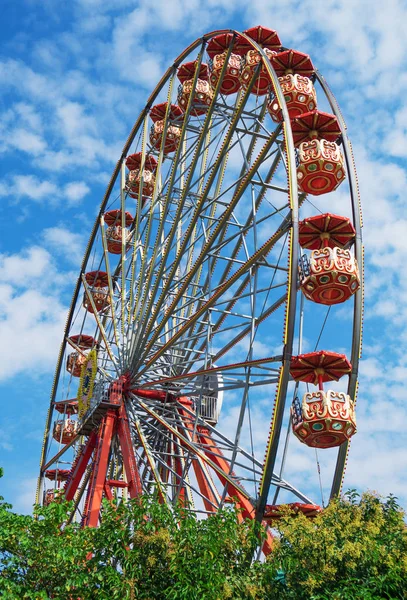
(186, 302)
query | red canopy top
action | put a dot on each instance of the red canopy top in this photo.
(114, 217)
(133, 161)
(69, 407)
(330, 365)
(157, 113)
(187, 71)
(97, 278)
(326, 230)
(265, 37)
(292, 61)
(57, 474)
(315, 124)
(84, 342)
(221, 42)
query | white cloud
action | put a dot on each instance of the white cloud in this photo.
(29, 186)
(75, 192)
(67, 243)
(44, 191)
(22, 269)
(32, 316)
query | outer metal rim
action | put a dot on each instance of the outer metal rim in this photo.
(359, 296)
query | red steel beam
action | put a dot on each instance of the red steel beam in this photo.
(98, 477)
(243, 504)
(79, 466)
(129, 459)
(108, 492)
(209, 499)
(215, 454)
(118, 483)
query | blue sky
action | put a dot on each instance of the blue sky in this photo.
(73, 78)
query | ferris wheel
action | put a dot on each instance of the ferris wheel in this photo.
(212, 263)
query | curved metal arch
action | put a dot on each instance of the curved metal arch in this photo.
(359, 296)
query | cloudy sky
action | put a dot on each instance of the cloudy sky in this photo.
(73, 78)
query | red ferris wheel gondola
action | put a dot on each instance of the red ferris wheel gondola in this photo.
(202, 94)
(68, 407)
(294, 70)
(324, 419)
(137, 174)
(114, 217)
(173, 132)
(321, 167)
(134, 161)
(218, 48)
(270, 42)
(115, 231)
(331, 276)
(75, 360)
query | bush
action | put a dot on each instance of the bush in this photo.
(356, 548)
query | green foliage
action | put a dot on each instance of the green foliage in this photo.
(355, 549)
(141, 550)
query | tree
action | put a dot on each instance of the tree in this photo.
(142, 550)
(355, 549)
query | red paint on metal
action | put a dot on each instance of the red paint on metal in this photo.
(79, 466)
(215, 454)
(129, 459)
(157, 113)
(97, 278)
(117, 483)
(117, 388)
(273, 512)
(182, 491)
(320, 382)
(220, 43)
(315, 124)
(133, 162)
(98, 477)
(84, 342)
(330, 366)
(114, 217)
(265, 37)
(242, 503)
(154, 395)
(68, 407)
(187, 71)
(108, 492)
(292, 62)
(209, 498)
(326, 230)
(57, 474)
